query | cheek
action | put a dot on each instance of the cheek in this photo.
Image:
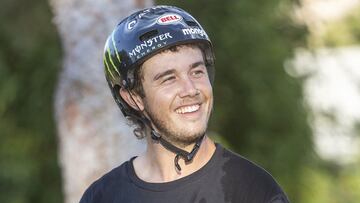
(207, 88)
(161, 99)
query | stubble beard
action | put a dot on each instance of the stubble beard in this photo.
(180, 138)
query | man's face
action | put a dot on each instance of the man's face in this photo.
(178, 94)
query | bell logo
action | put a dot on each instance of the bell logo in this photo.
(169, 19)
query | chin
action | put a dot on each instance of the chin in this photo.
(186, 136)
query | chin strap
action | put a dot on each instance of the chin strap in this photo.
(187, 156)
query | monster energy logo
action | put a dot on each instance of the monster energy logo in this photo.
(150, 44)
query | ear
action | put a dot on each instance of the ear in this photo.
(132, 99)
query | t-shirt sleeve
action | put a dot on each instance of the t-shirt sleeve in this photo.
(279, 198)
(91, 194)
(87, 196)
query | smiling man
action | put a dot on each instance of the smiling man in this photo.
(159, 65)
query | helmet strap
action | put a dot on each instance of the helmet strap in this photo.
(187, 156)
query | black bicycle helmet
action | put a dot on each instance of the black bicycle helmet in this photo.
(142, 35)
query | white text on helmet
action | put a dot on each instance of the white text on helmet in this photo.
(191, 31)
(149, 44)
(144, 12)
(131, 24)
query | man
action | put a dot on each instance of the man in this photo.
(159, 66)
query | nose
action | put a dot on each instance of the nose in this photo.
(188, 88)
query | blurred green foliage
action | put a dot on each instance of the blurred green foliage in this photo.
(342, 32)
(324, 182)
(345, 31)
(29, 62)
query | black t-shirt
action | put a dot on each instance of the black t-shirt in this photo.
(227, 177)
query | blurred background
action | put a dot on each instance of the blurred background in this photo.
(287, 94)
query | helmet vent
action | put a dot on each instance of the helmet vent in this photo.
(191, 23)
(148, 35)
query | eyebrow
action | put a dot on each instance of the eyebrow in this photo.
(162, 74)
(196, 64)
(171, 71)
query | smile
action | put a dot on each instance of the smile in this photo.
(187, 109)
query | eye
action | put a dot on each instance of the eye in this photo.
(198, 73)
(168, 79)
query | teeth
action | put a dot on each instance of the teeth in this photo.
(188, 109)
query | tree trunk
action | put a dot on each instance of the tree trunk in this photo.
(93, 134)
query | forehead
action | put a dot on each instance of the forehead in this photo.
(179, 58)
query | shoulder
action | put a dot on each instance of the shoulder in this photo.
(241, 166)
(109, 181)
(250, 179)
(245, 169)
(279, 198)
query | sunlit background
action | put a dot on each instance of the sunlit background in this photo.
(287, 94)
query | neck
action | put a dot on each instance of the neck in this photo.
(157, 163)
